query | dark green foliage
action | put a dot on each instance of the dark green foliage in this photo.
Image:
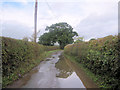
(18, 57)
(60, 32)
(101, 56)
(46, 39)
(92, 39)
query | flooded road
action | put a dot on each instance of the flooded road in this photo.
(54, 72)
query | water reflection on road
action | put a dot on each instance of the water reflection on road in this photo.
(67, 77)
(55, 72)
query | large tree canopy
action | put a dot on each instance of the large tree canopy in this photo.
(60, 32)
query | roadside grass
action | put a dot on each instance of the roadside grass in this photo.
(101, 57)
(48, 53)
(25, 67)
(96, 78)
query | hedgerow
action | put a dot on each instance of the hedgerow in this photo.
(19, 57)
(101, 57)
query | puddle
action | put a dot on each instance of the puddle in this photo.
(67, 77)
(54, 72)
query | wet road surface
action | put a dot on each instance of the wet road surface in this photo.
(54, 72)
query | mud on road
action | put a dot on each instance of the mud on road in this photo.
(54, 72)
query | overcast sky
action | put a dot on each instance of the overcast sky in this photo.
(90, 18)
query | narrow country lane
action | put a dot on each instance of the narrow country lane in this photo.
(54, 72)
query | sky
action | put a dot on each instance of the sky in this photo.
(89, 18)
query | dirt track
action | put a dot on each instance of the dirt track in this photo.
(55, 72)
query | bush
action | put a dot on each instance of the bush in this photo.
(101, 56)
(19, 56)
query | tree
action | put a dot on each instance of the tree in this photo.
(78, 39)
(33, 35)
(46, 39)
(60, 32)
(25, 39)
(92, 39)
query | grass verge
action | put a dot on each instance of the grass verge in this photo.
(48, 53)
(96, 78)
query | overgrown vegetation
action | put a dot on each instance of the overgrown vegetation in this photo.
(19, 57)
(101, 57)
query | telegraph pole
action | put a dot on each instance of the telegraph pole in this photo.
(35, 22)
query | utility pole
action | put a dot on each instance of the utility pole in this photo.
(35, 22)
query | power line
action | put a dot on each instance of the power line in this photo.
(51, 10)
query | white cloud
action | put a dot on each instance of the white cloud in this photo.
(98, 26)
(91, 18)
(16, 30)
(21, 16)
(60, 0)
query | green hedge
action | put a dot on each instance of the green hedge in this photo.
(101, 57)
(18, 57)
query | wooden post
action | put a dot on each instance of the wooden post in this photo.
(35, 33)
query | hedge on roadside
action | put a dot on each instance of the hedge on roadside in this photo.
(18, 57)
(101, 56)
